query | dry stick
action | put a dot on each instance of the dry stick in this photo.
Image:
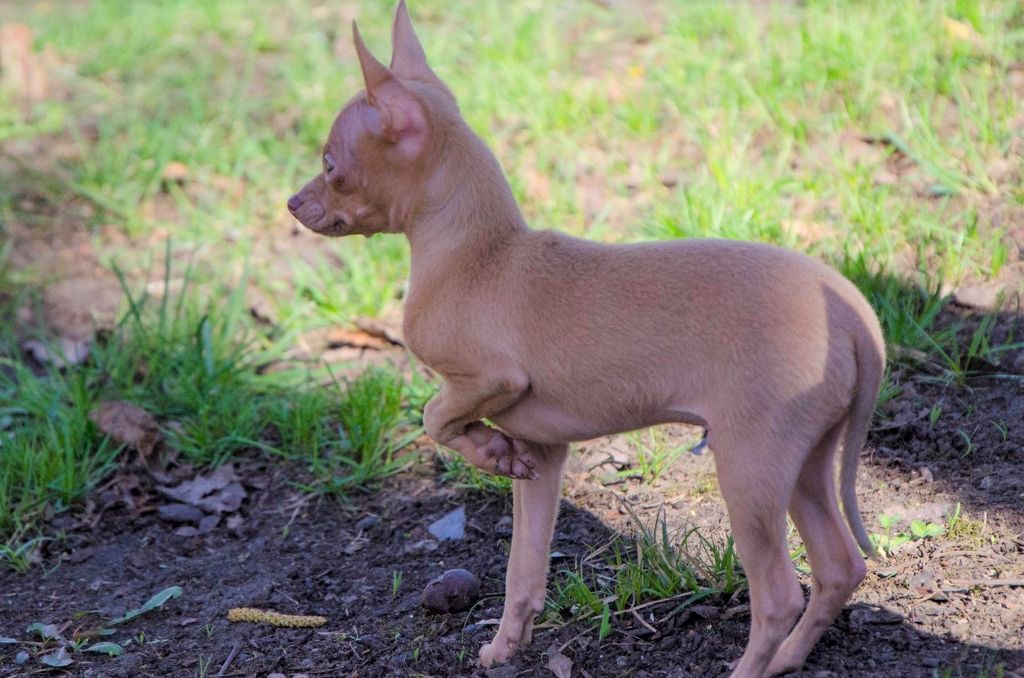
(969, 583)
(227, 662)
(632, 610)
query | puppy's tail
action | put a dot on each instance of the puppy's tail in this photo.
(870, 354)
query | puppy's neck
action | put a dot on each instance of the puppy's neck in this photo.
(471, 211)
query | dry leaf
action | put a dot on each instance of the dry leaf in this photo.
(128, 424)
(560, 665)
(217, 492)
(60, 353)
(962, 31)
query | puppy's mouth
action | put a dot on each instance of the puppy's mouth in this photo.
(333, 229)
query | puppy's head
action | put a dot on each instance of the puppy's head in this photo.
(383, 146)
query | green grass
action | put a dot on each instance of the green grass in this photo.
(656, 566)
(196, 367)
(864, 132)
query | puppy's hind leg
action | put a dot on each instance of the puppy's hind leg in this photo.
(837, 566)
(535, 506)
(756, 476)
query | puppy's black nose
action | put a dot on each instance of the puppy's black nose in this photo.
(294, 202)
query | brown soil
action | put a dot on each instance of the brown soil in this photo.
(954, 602)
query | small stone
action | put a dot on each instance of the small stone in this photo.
(451, 526)
(502, 672)
(978, 295)
(504, 527)
(366, 523)
(179, 513)
(207, 524)
(608, 478)
(706, 611)
(861, 616)
(371, 641)
(422, 546)
(454, 591)
(276, 675)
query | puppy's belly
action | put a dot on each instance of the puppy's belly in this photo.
(547, 423)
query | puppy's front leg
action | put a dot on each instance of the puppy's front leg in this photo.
(452, 418)
(534, 508)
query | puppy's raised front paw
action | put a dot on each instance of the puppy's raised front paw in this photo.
(509, 457)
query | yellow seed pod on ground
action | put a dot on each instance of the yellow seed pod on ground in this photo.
(251, 614)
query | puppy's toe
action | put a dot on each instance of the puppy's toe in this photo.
(495, 652)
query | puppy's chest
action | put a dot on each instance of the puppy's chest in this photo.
(432, 336)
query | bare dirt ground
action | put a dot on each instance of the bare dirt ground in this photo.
(947, 605)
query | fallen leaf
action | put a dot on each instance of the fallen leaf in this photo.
(153, 603)
(111, 649)
(60, 353)
(560, 665)
(217, 492)
(130, 425)
(962, 31)
(179, 513)
(45, 631)
(127, 424)
(57, 658)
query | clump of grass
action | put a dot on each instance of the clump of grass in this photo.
(369, 418)
(195, 365)
(909, 315)
(655, 452)
(657, 565)
(461, 474)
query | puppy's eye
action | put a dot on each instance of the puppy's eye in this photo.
(328, 163)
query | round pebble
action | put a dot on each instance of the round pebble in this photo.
(454, 591)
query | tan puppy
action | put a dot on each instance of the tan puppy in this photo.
(556, 340)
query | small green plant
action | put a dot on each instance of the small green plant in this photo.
(396, 583)
(365, 451)
(968, 442)
(889, 541)
(920, 529)
(56, 649)
(654, 452)
(204, 665)
(1004, 431)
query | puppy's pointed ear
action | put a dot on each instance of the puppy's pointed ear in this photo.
(408, 60)
(403, 122)
(375, 74)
